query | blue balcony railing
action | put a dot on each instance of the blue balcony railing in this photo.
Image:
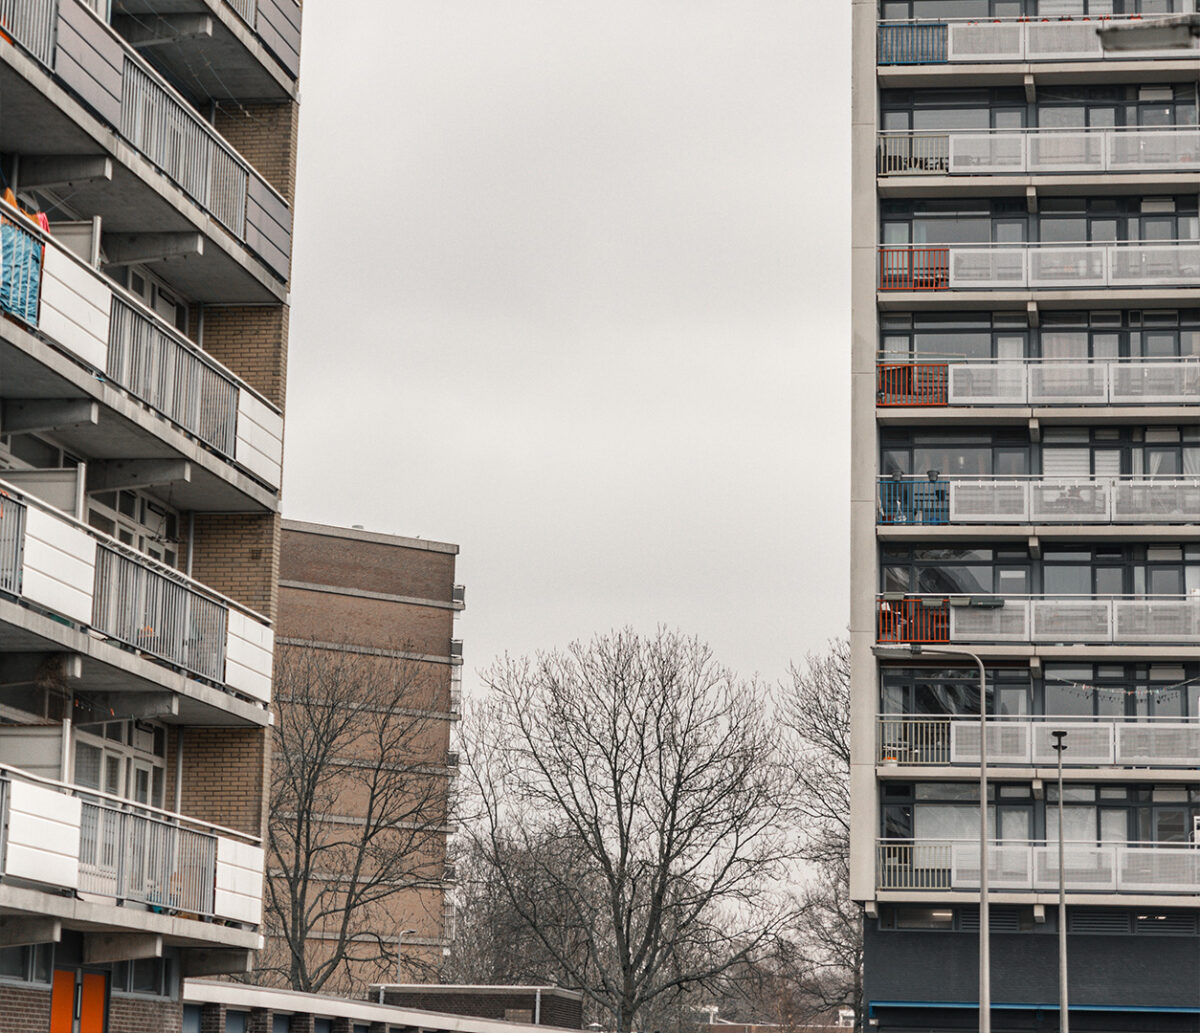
(914, 501)
(912, 43)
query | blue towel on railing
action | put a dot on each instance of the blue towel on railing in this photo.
(20, 272)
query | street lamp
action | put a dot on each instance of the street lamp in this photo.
(1063, 1019)
(985, 967)
(399, 943)
(1152, 34)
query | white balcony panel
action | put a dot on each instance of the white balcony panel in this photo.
(1051, 41)
(986, 383)
(1007, 623)
(1158, 743)
(1010, 866)
(259, 438)
(42, 844)
(985, 41)
(239, 881)
(1141, 265)
(1162, 869)
(1091, 869)
(249, 649)
(1008, 742)
(987, 153)
(1066, 152)
(1068, 383)
(1064, 501)
(1156, 620)
(1156, 502)
(1143, 151)
(75, 308)
(1087, 743)
(989, 502)
(1072, 620)
(1163, 383)
(987, 267)
(1067, 267)
(60, 565)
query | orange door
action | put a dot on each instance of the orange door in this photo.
(92, 1001)
(62, 1002)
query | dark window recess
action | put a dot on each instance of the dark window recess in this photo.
(1098, 920)
(1165, 923)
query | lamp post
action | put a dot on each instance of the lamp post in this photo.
(985, 966)
(1063, 1018)
(399, 944)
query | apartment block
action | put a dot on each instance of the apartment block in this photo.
(1026, 490)
(147, 160)
(367, 627)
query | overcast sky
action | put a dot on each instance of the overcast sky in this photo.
(570, 290)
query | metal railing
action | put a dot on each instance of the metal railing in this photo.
(1001, 151)
(134, 856)
(969, 40)
(173, 377)
(20, 271)
(911, 739)
(1088, 866)
(1048, 382)
(157, 613)
(247, 10)
(987, 266)
(1046, 619)
(33, 23)
(12, 542)
(1039, 500)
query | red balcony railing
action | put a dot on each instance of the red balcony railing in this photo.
(920, 619)
(914, 268)
(911, 383)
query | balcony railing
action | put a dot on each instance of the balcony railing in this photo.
(85, 841)
(277, 23)
(1019, 741)
(80, 50)
(1039, 382)
(1088, 867)
(971, 41)
(50, 290)
(1038, 500)
(984, 266)
(1051, 620)
(64, 567)
(1021, 151)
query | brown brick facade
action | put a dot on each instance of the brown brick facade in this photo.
(367, 566)
(238, 555)
(253, 342)
(225, 776)
(26, 1009)
(266, 135)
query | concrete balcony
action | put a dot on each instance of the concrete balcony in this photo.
(1136, 868)
(1038, 500)
(112, 340)
(136, 624)
(88, 860)
(979, 41)
(1089, 267)
(1032, 620)
(921, 741)
(86, 112)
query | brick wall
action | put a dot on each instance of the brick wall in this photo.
(253, 342)
(25, 1009)
(238, 555)
(265, 135)
(129, 1015)
(557, 1009)
(373, 623)
(366, 566)
(225, 777)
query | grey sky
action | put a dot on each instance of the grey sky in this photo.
(571, 290)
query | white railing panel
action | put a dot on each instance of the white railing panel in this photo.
(1144, 151)
(985, 41)
(1068, 383)
(1072, 620)
(1162, 869)
(986, 383)
(987, 502)
(259, 438)
(1091, 869)
(1159, 744)
(1156, 620)
(1008, 742)
(1163, 383)
(1066, 152)
(913, 866)
(986, 153)
(972, 267)
(75, 308)
(249, 653)
(1010, 866)
(1136, 265)
(1161, 502)
(42, 842)
(59, 567)
(1089, 742)
(1007, 623)
(1070, 501)
(239, 882)
(1049, 41)
(1080, 266)
(914, 740)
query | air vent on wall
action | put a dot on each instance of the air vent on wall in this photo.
(1097, 920)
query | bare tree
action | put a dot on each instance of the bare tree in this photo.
(827, 968)
(359, 807)
(641, 787)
